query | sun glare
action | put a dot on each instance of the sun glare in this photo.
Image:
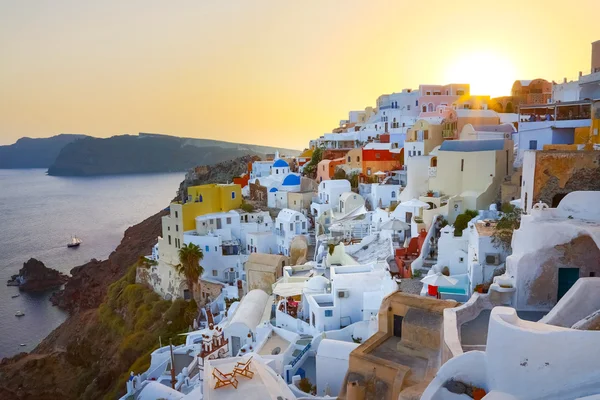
(488, 73)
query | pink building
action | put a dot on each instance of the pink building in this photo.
(326, 168)
(433, 96)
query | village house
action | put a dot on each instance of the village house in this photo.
(380, 157)
(328, 196)
(263, 270)
(288, 225)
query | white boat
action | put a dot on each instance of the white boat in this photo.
(14, 296)
(23, 345)
(75, 242)
(19, 314)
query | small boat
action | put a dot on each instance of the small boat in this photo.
(75, 242)
(23, 345)
(19, 314)
(14, 296)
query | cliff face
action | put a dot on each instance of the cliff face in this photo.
(34, 153)
(127, 154)
(37, 277)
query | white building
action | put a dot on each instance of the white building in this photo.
(328, 196)
(332, 358)
(525, 360)
(261, 169)
(288, 225)
(381, 195)
(241, 326)
(261, 242)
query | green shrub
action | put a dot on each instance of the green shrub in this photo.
(417, 273)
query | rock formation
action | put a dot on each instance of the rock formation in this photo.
(36, 277)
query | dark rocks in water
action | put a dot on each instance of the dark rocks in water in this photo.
(36, 277)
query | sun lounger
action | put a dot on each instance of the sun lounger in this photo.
(224, 379)
(243, 369)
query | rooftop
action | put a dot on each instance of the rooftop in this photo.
(472, 145)
(485, 228)
(264, 385)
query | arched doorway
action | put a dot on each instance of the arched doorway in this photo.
(557, 198)
(433, 162)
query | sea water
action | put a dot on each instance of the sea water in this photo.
(38, 216)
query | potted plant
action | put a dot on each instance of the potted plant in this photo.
(430, 193)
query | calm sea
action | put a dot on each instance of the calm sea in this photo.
(38, 215)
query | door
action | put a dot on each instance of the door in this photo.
(398, 325)
(408, 217)
(218, 223)
(533, 145)
(566, 278)
(235, 345)
(386, 127)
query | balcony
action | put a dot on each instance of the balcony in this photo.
(437, 199)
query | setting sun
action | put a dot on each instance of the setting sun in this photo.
(488, 73)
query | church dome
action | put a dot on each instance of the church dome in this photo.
(281, 163)
(291, 180)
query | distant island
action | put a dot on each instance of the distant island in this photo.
(34, 153)
(80, 155)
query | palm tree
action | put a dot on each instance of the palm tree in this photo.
(190, 256)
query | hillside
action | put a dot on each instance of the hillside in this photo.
(34, 153)
(113, 324)
(147, 153)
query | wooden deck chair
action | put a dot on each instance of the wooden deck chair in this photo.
(243, 369)
(224, 379)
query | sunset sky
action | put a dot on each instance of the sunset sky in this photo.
(272, 72)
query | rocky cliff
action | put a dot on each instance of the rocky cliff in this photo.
(113, 323)
(36, 277)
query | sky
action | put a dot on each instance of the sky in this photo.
(270, 72)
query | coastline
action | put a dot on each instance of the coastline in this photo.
(40, 373)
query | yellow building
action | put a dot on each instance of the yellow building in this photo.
(207, 199)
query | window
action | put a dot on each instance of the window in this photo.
(428, 93)
(369, 171)
(215, 272)
(176, 214)
(462, 165)
(291, 226)
(424, 108)
(176, 228)
(426, 134)
(533, 145)
(228, 220)
(460, 92)
(199, 198)
(349, 158)
(207, 248)
(168, 228)
(393, 194)
(357, 158)
(419, 152)
(416, 103)
(169, 240)
(461, 259)
(276, 171)
(323, 168)
(303, 225)
(233, 195)
(329, 313)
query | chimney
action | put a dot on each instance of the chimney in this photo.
(596, 56)
(565, 80)
(580, 74)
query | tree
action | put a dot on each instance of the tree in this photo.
(310, 168)
(190, 256)
(508, 222)
(462, 221)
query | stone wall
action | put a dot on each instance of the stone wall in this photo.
(209, 290)
(558, 173)
(258, 193)
(511, 188)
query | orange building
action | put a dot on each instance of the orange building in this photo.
(326, 168)
(380, 157)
